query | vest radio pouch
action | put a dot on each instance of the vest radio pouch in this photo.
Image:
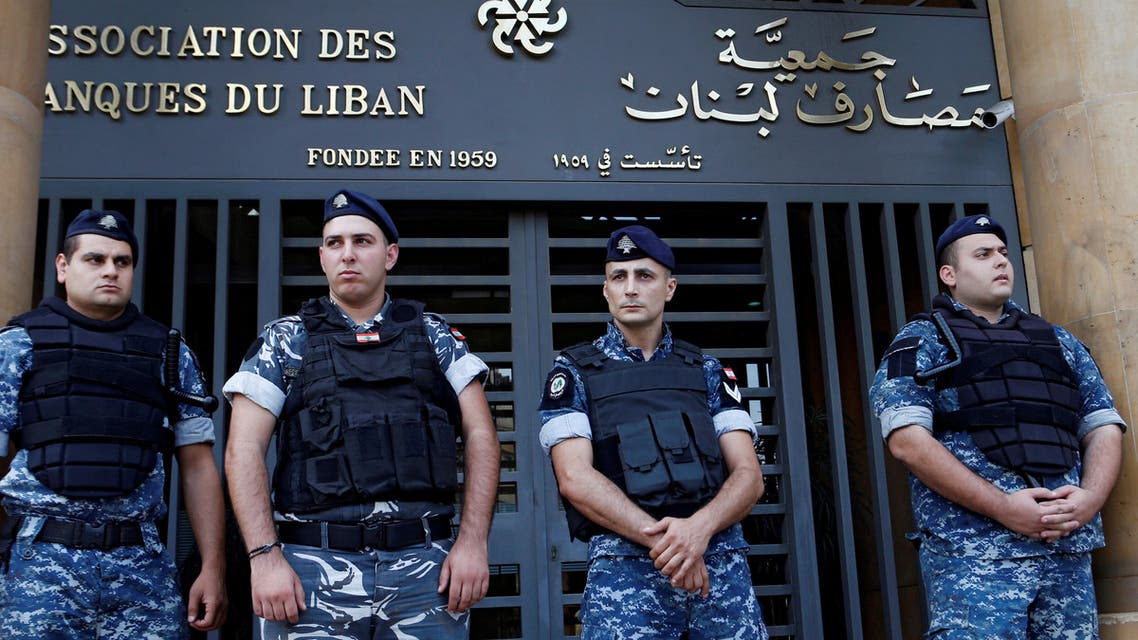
(645, 478)
(664, 461)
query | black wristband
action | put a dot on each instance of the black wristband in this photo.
(265, 549)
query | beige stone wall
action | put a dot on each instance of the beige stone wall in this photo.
(1071, 66)
(23, 69)
(23, 65)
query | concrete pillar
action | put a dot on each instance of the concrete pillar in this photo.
(1074, 76)
(23, 68)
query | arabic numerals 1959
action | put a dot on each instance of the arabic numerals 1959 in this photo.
(561, 160)
(473, 159)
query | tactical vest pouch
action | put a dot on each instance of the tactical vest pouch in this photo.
(326, 476)
(321, 436)
(708, 445)
(367, 445)
(645, 476)
(443, 452)
(320, 427)
(354, 364)
(412, 462)
(682, 460)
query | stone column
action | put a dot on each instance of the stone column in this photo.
(1074, 77)
(23, 68)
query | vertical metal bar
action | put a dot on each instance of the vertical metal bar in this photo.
(526, 283)
(807, 601)
(268, 262)
(178, 320)
(220, 325)
(834, 422)
(894, 290)
(52, 246)
(926, 251)
(879, 487)
(139, 214)
(181, 257)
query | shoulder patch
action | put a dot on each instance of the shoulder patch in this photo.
(457, 334)
(901, 357)
(558, 391)
(732, 397)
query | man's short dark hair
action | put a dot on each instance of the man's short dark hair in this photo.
(949, 256)
(70, 245)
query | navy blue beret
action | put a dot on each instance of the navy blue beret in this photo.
(968, 226)
(635, 242)
(110, 224)
(354, 203)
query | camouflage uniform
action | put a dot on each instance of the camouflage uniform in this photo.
(54, 591)
(625, 596)
(983, 580)
(374, 593)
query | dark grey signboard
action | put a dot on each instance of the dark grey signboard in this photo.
(538, 91)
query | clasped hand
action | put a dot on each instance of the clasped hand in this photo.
(677, 551)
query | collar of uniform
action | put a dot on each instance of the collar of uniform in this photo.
(615, 346)
(376, 321)
(1008, 307)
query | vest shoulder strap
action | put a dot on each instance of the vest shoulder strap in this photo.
(690, 353)
(585, 354)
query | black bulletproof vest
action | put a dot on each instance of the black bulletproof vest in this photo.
(652, 434)
(1018, 396)
(370, 417)
(92, 404)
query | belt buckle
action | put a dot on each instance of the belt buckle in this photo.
(374, 535)
(92, 535)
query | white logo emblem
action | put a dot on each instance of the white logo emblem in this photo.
(340, 201)
(557, 386)
(983, 222)
(733, 391)
(108, 222)
(626, 245)
(524, 21)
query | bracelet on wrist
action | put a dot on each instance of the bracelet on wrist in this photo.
(265, 549)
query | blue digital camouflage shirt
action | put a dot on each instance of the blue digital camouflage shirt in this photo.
(24, 494)
(946, 527)
(565, 414)
(274, 361)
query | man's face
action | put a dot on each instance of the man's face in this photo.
(982, 276)
(98, 277)
(355, 257)
(636, 292)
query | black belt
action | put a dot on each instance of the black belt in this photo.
(360, 536)
(87, 535)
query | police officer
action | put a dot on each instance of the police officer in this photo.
(92, 405)
(654, 456)
(1013, 443)
(366, 394)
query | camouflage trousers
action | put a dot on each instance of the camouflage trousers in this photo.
(627, 598)
(54, 592)
(372, 595)
(1048, 597)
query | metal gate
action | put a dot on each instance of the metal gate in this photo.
(798, 289)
